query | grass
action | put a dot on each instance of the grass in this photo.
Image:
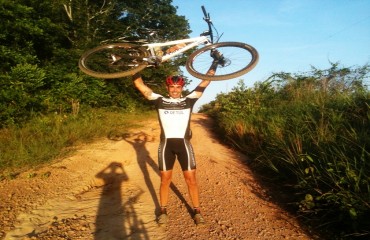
(312, 137)
(46, 138)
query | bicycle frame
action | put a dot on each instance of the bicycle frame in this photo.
(155, 59)
(124, 57)
(190, 43)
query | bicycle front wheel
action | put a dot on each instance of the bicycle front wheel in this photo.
(238, 59)
(114, 60)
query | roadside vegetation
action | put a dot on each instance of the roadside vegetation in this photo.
(47, 104)
(44, 139)
(309, 133)
(306, 132)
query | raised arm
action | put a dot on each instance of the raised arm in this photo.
(204, 83)
(140, 85)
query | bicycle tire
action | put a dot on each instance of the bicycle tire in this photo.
(114, 60)
(241, 57)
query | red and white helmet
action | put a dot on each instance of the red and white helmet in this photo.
(175, 80)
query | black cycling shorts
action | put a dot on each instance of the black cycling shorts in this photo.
(171, 148)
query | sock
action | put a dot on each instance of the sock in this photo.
(163, 209)
(196, 210)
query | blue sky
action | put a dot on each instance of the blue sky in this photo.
(290, 35)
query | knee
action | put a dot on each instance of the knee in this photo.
(191, 180)
(165, 179)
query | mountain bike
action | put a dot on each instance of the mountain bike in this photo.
(116, 60)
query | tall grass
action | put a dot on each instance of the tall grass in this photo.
(45, 138)
(313, 133)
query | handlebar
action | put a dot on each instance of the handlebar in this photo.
(206, 15)
(207, 18)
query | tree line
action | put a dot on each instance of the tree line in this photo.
(41, 42)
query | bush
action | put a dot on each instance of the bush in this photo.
(21, 93)
(313, 132)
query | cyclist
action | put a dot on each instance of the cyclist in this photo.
(174, 118)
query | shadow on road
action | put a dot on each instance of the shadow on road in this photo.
(116, 219)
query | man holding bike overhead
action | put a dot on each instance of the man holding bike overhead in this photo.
(174, 114)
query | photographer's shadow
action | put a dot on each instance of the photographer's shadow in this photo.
(116, 219)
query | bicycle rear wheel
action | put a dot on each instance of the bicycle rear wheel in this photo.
(239, 58)
(113, 60)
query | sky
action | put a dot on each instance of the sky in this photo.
(290, 35)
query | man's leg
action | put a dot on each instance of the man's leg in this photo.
(166, 177)
(191, 181)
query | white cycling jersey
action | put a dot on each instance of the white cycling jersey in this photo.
(174, 114)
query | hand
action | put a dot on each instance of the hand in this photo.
(176, 47)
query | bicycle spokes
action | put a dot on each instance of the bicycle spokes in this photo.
(128, 58)
(114, 60)
(233, 58)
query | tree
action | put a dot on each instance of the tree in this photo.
(49, 36)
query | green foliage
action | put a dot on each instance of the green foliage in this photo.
(47, 137)
(41, 42)
(312, 132)
(14, 45)
(27, 37)
(21, 93)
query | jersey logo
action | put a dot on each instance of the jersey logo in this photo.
(173, 112)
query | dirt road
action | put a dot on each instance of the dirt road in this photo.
(108, 190)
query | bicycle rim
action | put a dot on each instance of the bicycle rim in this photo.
(240, 59)
(113, 60)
